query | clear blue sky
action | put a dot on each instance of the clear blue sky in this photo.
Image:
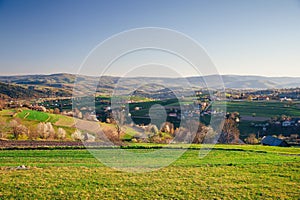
(242, 37)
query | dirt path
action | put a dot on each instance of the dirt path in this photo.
(48, 119)
(27, 114)
(90, 126)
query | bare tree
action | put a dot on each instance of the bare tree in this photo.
(33, 134)
(3, 127)
(56, 111)
(18, 129)
(14, 124)
(167, 127)
(2, 104)
(230, 133)
(251, 139)
(119, 120)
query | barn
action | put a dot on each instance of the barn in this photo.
(273, 141)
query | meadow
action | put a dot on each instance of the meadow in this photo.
(38, 116)
(266, 109)
(227, 172)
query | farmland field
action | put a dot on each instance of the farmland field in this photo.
(227, 172)
(263, 108)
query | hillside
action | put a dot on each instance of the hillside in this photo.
(16, 91)
(62, 84)
(19, 91)
(230, 81)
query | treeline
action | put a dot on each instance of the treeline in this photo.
(191, 131)
(18, 131)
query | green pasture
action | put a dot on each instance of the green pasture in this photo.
(262, 108)
(227, 172)
(38, 116)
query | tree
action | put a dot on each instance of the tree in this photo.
(119, 120)
(251, 139)
(193, 131)
(77, 135)
(167, 127)
(3, 127)
(33, 134)
(56, 111)
(61, 134)
(2, 104)
(200, 134)
(40, 129)
(230, 132)
(13, 124)
(283, 117)
(79, 115)
(21, 132)
(46, 130)
(152, 128)
(250, 98)
(50, 129)
(18, 130)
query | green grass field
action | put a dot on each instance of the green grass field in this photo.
(227, 172)
(263, 108)
(266, 109)
(38, 116)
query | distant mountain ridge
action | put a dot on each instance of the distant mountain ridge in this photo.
(62, 84)
(230, 81)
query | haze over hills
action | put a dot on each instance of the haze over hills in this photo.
(62, 84)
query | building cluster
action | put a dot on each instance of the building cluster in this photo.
(292, 94)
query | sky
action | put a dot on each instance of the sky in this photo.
(249, 37)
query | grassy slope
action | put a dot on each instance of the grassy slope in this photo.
(244, 172)
(16, 91)
(31, 118)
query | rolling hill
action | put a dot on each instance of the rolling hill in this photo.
(62, 84)
(18, 91)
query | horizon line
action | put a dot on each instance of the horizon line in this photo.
(69, 73)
